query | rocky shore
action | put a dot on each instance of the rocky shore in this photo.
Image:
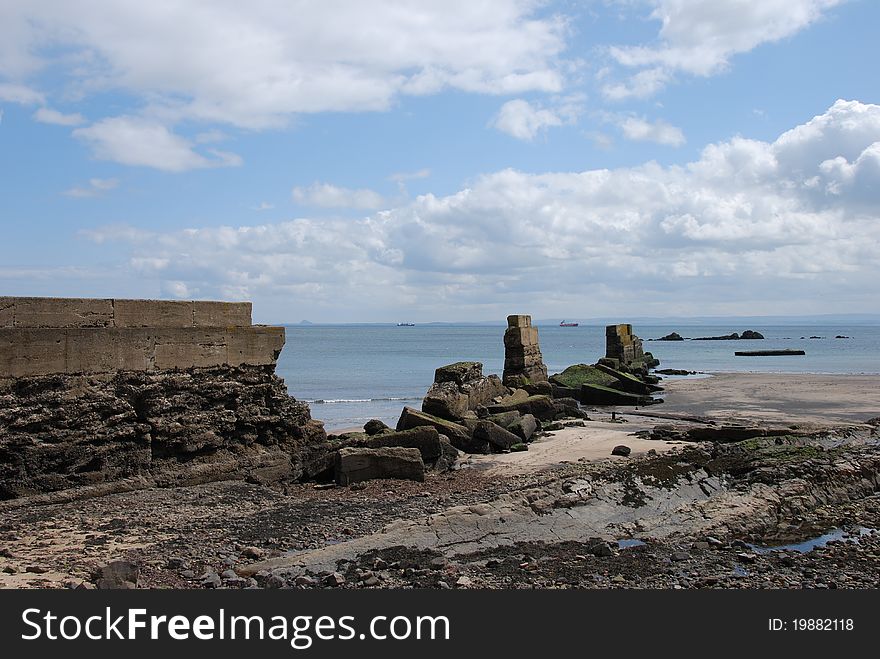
(695, 514)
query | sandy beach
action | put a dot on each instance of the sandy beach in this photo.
(776, 397)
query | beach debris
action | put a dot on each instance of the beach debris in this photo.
(360, 464)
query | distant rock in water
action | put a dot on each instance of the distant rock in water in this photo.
(675, 371)
(840, 336)
(748, 334)
(674, 336)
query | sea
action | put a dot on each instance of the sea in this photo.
(352, 373)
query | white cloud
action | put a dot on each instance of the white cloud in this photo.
(524, 120)
(264, 206)
(325, 195)
(139, 141)
(642, 130)
(749, 227)
(18, 93)
(95, 188)
(254, 64)
(50, 116)
(699, 37)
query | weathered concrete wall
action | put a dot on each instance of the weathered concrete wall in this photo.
(96, 391)
(26, 352)
(84, 312)
(44, 336)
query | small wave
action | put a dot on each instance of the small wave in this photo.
(327, 401)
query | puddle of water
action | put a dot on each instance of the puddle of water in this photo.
(632, 542)
(814, 543)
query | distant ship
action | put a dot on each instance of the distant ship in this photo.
(406, 324)
(564, 324)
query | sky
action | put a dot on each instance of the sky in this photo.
(455, 160)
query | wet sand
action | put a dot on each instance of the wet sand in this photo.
(776, 397)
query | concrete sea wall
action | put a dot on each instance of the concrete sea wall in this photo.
(97, 390)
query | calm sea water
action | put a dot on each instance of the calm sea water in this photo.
(360, 372)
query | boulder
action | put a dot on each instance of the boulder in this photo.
(574, 376)
(540, 407)
(567, 408)
(457, 433)
(594, 394)
(495, 435)
(524, 427)
(446, 401)
(751, 334)
(375, 426)
(538, 388)
(482, 391)
(361, 464)
(459, 372)
(628, 383)
(448, 455)
(621, 450)
(505, 419)
(424, 438)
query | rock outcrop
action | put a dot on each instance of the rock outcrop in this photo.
(523, 362)
(169, 393)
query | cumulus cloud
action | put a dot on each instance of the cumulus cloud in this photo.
(50, 116)
(326, 195)
(524, 120)
(641, 130)
(144, 142)
(95, 188)
(699, 37)
(748, 227)
(253, 64)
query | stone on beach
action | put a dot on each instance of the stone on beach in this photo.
(360, 464)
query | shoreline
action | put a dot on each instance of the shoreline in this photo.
(566, 498)
(757, 396)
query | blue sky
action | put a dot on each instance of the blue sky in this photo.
(376, 161)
